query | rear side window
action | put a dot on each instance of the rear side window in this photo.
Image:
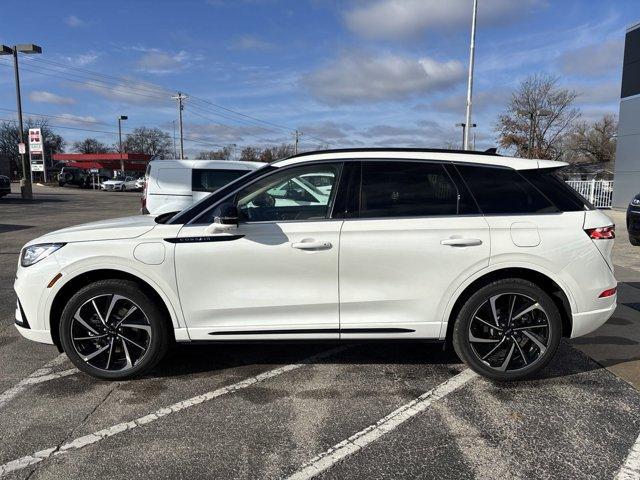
(503, 191)
(562, 195)
(210, 180)
(406, 189)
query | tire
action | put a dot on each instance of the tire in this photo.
(635, 241)
(145, 328)
(474, 333)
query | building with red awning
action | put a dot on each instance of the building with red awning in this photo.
(133, 162)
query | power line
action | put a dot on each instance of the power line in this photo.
(138, 88)
(67, 127)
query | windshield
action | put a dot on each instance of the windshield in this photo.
(197, 208)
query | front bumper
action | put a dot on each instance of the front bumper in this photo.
(41, 336)
(587, 322)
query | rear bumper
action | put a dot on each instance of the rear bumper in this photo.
(587, 322)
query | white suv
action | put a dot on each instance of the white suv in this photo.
(494, 254)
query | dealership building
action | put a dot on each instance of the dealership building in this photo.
(627, 166)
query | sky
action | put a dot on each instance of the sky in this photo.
(346, 73)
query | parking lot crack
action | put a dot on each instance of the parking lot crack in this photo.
(73, 430)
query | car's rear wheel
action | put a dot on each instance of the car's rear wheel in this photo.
(508, 330)
(635, 241)
(112, 330)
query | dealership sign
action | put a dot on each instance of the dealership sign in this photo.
(35, 140)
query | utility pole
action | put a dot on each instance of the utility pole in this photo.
(467, 129)
(297, 134)
(26, 188)
(175, 153)
(120, 118)
(180, 98)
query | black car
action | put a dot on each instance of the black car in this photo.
(5, 186)
(633, 220)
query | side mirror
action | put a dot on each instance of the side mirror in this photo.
(226, 220)
(228, 215)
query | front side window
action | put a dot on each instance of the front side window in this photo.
(290, 195)
(210, 180)
(406, 189)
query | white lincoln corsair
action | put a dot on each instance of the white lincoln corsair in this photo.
(495, 255)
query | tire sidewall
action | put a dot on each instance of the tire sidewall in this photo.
(131, 290)
(461, 328)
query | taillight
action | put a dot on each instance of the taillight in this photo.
(608, 293)
(602, 233)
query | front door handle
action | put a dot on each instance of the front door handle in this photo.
(461, 242)
(319, 245)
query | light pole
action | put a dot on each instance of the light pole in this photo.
(463, 125)
(29, 48)
(120, 119)
(472, 49)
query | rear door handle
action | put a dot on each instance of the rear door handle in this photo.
(319, 245)
(461, 242)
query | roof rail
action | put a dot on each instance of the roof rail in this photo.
(489, 151)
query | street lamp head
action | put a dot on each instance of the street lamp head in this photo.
(4, 50)
(28, 48)
(123, 117)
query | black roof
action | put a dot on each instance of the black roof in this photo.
(490, 151)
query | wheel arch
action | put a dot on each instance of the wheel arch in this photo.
(73, 284)
(544, 281)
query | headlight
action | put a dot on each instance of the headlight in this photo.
(34, 253)
(635, 201)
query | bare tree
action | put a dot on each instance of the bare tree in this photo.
(537, 118)
(91, 145)
(222, 154)
(151, 141)
(249, 154)
(593, 142)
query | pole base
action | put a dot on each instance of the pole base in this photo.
(25, 190)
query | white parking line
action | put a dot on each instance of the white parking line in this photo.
(95, 437)
(631, 468)
(43, 374)
(373, 432)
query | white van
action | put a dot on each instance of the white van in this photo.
(173, 185)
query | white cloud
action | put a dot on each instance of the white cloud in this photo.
(406, 18)
(250, 42)
(593, 60)
(156, 61)
(359, 78)
(75, 21)
(598, 93)
(69, 119)
(130, 91)
(42, 96)
(327, 130)
(82, 59)
(221, 133)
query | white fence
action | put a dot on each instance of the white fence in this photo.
(598, 192)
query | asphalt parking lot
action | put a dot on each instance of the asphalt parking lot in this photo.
(403, 410)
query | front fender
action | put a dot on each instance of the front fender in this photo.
(156, 280)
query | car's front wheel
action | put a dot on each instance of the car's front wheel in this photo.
(112, 330)
(508, 330)
(635, 241)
